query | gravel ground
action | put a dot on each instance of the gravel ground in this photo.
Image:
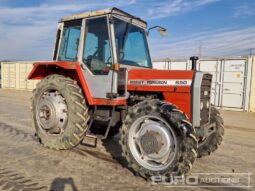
(26, 165)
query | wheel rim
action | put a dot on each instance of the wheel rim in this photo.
(51, 112)
(152, 143)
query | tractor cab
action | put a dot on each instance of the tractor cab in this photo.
(102, 42)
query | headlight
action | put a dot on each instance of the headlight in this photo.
(201, 105)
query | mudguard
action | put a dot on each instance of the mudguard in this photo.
(74, 71)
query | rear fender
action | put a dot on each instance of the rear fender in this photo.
(74, 71)
(68, 69)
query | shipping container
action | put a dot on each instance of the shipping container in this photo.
(14, 76)
(0, 75)
(233, 84)
(252, 89)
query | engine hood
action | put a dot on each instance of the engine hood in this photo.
(160, 80)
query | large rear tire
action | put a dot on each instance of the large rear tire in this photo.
(59, 112)
(157, 139)
(210, 144)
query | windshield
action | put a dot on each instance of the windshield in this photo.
(131, 44)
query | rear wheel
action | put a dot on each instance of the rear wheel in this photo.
(59, 112)
(210, 144)
(157, 139)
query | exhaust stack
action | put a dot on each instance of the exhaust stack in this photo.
(194, 60)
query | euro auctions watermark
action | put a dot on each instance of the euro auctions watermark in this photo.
(204, 180)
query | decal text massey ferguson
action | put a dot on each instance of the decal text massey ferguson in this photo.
(160, 82)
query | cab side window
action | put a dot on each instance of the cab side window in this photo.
(70, 41)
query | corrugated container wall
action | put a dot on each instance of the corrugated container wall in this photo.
(233, 78)
(233, 85)
(14, 76)
(252, 95)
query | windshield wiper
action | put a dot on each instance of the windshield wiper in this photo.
(125, 36)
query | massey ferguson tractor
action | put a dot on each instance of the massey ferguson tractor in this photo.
(101, 82)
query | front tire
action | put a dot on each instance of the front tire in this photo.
(157, 139)
(210, 144)
(59, 112)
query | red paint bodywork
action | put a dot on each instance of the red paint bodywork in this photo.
(178, 95)
(73, 70)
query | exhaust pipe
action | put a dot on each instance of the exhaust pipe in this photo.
(194, 60)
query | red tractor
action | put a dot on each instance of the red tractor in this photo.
(101, 82)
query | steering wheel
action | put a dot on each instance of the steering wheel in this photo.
(95, 53)
(108, 60)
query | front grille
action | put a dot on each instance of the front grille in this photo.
(205, 95)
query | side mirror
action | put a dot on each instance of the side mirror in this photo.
(162, 31)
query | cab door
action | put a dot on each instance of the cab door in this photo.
(96, 56)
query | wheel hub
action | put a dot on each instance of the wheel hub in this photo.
(52, 112)
(45, 112)
(151, 142)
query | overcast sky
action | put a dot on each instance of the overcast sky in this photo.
(212, 28)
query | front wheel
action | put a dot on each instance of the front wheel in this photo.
(59, 112)
(157, 139)
(207, 145)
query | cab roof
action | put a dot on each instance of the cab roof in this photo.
(114, 11)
